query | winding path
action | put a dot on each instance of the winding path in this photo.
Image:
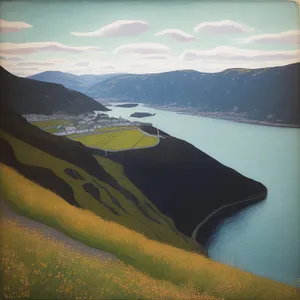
(8, 214)
(195, 231)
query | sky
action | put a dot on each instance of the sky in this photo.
(99, 37)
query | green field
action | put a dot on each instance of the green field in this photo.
(115, 128)
(52, 130)
(38, 268)
(118, 140)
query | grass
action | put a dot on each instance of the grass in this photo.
(52, 130)
(30, 155)
(47, 123)
(115, 128)
(117, 171)
(37, 267)
(156, 260)
(118, 140)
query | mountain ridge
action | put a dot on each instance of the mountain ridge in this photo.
(257, 95)
(28, 96)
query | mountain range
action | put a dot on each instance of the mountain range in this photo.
(270, 95)
(267, 95)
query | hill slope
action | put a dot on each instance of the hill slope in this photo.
(267, 95)
(27, 96)
(145, 268)
(68, 169)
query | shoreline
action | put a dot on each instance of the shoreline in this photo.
(224, 212)
(195, 231)
(211, 115)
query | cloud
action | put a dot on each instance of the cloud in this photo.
(157, 57)
(35, 63)
(143, 48)
(82, 64)
(177, 35)
(30, 67)
(34, 47)
(212, 60)
(6, 26)
(118, 28)
(106, 67)
(223, 53)
(222, 27)
(291, 37)
(26, 69)
(16, 58)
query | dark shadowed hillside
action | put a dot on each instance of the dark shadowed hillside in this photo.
(267, 95)
(27, 96)
(185, 183)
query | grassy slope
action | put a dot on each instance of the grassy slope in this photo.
(38, 268)
(160, 261)
(30, 155)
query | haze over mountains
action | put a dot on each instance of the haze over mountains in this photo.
(80, 83)
(268, 95)
(27, 96)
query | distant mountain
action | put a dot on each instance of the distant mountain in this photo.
(27, 96)
(68, 80)
(74, 82)
(270, 95)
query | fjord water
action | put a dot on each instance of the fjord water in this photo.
(263, 239)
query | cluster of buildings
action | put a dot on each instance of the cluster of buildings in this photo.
(85, 123)
(35, 118)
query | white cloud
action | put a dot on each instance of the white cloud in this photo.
(212, 60)
(223, 53)
(118, 28)
(34, 47)
(157, 57)
(35, 63)
(6, 26)
(30, 67)
(82, 64)
(176, 34)
(222, 27)
(143, 48)
(291, 37)
(15, 58)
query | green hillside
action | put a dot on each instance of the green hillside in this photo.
(110, 204)
(145, 269)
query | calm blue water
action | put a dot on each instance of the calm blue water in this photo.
(264, 239)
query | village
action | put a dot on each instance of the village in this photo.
(87, 123)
